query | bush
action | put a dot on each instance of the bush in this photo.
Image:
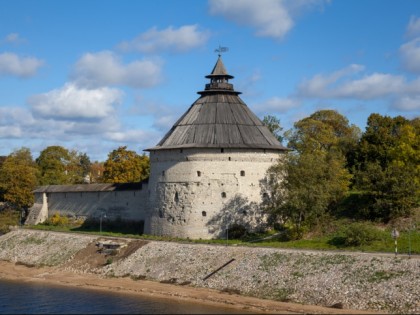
(8, 217)
(356, 234)
(237, 231)
(57, 220)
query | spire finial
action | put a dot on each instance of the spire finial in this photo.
(221, 50)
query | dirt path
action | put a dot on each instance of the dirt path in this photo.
(11, 271)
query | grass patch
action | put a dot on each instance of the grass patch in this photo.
(382, 275)
(409, 240)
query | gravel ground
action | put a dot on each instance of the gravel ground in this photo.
(348, 280)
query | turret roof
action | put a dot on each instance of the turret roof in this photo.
(219, 119)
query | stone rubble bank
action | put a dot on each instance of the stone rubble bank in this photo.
(362, 281)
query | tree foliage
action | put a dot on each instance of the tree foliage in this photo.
(305, 186)
(387, 164)
(124, 166)
(59, 166)
(273, 124)
(18, 178)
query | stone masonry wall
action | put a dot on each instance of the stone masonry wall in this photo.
(126, 204)
(196, 193)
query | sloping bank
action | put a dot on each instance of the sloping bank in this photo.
(351, 280)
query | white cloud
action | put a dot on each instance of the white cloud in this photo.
(182, 39)
(71, 102)
(410, 54)
(407, 103)
(339, 85)
(132, 136)
(105, 68)
(14, 38)
(413, 28)
(7, 132)
(22, 67)
(270, 18)
(279, 105)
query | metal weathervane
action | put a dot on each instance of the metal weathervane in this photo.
(221, 50)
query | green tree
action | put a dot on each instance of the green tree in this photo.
(52, 163)
(305, 187)
(125, 166)
(18, 178)
(387, 163)
(78, 167)
(273, 124)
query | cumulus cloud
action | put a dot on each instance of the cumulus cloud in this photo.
(407, 103)
(270, 18)
(413, 28)
(173, 39)
(341, 84)
(132, 136)
(22, 67)
(105, 68)
(278, 105)
(410, 54)
(71, 102)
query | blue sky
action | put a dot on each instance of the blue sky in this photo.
(95, 75)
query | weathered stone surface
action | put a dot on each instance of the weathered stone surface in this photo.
(353, 280)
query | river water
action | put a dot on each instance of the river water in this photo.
(34, 298)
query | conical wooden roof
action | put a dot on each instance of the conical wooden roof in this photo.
(219, 119)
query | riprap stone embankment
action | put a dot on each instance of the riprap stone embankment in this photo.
(353, 280)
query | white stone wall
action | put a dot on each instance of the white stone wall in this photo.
(197, 193)
(125, 204)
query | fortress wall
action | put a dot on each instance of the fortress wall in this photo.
(197, 193)
(125, 204)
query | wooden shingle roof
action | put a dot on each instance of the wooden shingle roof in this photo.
(219, 119)
(90, 187)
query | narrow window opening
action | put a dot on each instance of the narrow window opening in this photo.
(242, 173)
(222, 150)
(163, 173)
(180, 151)
(204, 213)
(229, 158)
(176, 198)
(223, 195)
(198, 173)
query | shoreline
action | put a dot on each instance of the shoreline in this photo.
(147, 288)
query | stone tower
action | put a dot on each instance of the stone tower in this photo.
(207, 170)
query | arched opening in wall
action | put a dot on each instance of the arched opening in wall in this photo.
(242, 173)
(204, 213)
(198, 173)
(176, 198)
(223, 195)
